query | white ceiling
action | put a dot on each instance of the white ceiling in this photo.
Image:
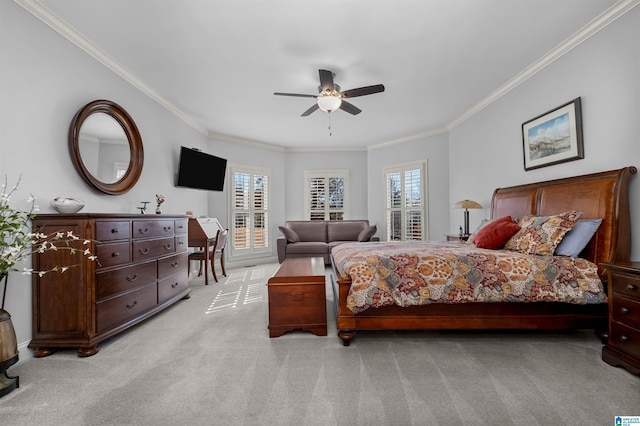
(216, 63)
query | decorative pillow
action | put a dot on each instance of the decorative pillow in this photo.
(289, 234)
(367, 233)
(577, 239)
(495, 234)
(542, 234)
(484, 223)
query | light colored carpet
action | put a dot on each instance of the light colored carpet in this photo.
(209, 360)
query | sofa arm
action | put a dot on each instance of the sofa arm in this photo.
(281, 244)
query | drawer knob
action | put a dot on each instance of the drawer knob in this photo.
(143, 231)
(631, 287)
(115, 254)
(114, 230)
(175, 285)
(135, 302)
(132, 277)
(624, 338)
(175, 264)
(624, 310)
(167, 228)
(144, 250)
(167, 246)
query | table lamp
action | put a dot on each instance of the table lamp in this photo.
(466, 205)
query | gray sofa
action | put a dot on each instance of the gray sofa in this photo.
(310, 238)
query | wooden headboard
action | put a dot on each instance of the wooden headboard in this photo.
(602, 195)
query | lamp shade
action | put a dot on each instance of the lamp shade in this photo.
(467, 204)
(329, 103)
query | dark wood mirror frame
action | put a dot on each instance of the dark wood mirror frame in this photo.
(136, 158)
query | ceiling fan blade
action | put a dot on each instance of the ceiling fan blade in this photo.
(326, 80)
(310, 110)
(299, 95)
(350, 108)
(361, 91)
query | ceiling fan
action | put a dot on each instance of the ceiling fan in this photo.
(330, 98)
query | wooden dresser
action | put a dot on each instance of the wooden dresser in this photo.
(623, 346)
(141, 269)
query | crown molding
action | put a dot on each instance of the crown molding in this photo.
(598, 23)
(411, 138)
(38, 10)
(45, 15)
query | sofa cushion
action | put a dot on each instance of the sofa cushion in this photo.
(289, 234)
(345, 230)
(310, 230)
(308, 248)
(367, 233)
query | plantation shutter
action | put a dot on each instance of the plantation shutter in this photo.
(405, 202)
(250, 211)
(325, 195)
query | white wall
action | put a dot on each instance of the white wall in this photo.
(297, 162)
(254, 157)
(434, 150)
(605, 72)
(44, 81)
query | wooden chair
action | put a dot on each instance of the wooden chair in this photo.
(216, 252)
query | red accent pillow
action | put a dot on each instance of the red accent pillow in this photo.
(496, 234)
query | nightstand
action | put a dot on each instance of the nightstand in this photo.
(457, 237)
(623, 346)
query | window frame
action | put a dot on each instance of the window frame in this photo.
(326, 175)
(252, 250)
(402, 168)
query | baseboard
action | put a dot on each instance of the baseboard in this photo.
(24, 353)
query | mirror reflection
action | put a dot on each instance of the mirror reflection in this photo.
(104, 147)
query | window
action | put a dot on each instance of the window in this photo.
(406, 202)
(326, 194)
(250, 211)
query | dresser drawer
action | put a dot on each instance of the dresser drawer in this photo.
(113, 230)
(115, 311)
(171, 265)
(625, 338)
(117, 281)
(169, 287)
(626, 310)
(113, 254)
(152, 228)
(180, 226)
(181, 242)
(150, 249)
(626, 284)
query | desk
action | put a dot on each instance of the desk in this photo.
(202, 234)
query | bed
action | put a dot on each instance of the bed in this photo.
(596, 196)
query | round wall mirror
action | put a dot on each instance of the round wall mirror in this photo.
(106, 147)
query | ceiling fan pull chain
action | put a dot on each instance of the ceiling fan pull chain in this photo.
(329, 114)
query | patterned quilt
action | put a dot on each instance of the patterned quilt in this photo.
(419, 273)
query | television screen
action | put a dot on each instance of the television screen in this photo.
(201, 170)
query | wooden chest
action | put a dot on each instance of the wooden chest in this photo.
(623, 346)
(297, 298)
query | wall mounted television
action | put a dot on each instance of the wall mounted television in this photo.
(200, 170)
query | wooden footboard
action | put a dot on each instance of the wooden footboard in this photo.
(601, 195)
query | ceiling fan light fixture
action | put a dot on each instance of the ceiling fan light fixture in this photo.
(329, 103)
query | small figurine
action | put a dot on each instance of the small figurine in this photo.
(159, 201)
(144, 207)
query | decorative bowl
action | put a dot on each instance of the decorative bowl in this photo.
(67, 205)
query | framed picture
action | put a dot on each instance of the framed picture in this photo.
(554, 137)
